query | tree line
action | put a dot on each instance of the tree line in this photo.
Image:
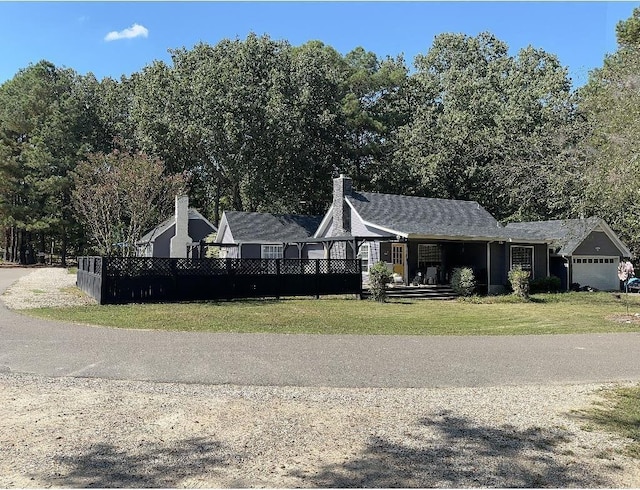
(260, 125)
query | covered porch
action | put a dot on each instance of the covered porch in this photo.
(428, 261)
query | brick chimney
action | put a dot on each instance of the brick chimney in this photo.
(342, 187)
(180, 240)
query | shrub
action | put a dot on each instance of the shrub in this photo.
(463, 281)
(550, 284)
(519, 281)
(379, 277)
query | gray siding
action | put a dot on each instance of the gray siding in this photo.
(291, 252)
(250, 251)
(199, 230)
(358, 228)
(499, 264)
(161, 245)
(597, 239)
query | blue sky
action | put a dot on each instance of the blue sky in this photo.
(75, 34)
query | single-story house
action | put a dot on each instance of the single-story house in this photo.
(267, 236)
(421, 239)
(182, 235)
(582, 251)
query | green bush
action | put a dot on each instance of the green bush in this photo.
(550, 284)
(519, 281)
(463, 281)
(379, 277)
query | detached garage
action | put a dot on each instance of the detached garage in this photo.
(583, 251)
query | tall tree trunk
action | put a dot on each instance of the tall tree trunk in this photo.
(7, 243)
(63, 247)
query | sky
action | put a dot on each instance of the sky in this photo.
(111, 39)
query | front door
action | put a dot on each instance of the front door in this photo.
(397, 258)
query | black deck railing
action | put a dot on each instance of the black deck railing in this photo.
(154, 279)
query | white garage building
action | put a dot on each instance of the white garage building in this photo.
(583, 251)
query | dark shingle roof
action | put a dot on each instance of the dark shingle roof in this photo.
(566, 233)
(162, 227)
(266, 227)
(425, 216)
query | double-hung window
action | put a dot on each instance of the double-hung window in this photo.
(271, 252)
(363, 255)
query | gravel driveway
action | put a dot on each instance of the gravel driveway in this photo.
(75, 432)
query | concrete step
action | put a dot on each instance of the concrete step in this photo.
(418, 292)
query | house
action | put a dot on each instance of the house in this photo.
(422, 239)
(267, 236)
(582, 251)
(181, 235)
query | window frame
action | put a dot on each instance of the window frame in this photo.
(364, 258)
(533, 260)
(271, 251)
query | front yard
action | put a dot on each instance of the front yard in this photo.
(545, 314)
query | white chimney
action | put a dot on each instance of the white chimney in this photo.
(181, 239)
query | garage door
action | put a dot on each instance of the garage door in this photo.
(597, 272)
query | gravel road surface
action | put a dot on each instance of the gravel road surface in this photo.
(64, 424)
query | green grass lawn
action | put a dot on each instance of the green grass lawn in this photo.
(546, 314)
(619, 413)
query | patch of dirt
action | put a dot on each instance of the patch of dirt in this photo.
(631, 318)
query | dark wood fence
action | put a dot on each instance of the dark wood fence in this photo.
(113, 280)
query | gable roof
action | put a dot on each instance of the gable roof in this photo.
(410, 215)
(249, 227)
(413, 216)
(154, 233)
(568, 234)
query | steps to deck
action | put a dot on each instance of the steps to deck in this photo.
(417, 292)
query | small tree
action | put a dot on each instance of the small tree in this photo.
(463, 281)
(379, 277)
(119, 195)
(519, 280)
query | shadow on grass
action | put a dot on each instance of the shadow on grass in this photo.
(151, 466)
(461, 455)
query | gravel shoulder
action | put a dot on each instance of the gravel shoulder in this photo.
(85, 432)
(73, 432)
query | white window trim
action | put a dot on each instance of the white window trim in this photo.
(365, 263)
(263, 248)
(533, 257)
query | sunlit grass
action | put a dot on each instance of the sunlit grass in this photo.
(545, 314)
(620, 414)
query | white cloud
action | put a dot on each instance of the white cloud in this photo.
(136, 30)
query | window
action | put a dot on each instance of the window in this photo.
(363, 255)
(428, 255)
(271, 251)
(523, 257)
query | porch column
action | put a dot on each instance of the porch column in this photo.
(489, 267)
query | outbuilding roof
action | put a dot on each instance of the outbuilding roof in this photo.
(267, 227)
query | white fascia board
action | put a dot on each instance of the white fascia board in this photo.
(385, 229)
(324, 223)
